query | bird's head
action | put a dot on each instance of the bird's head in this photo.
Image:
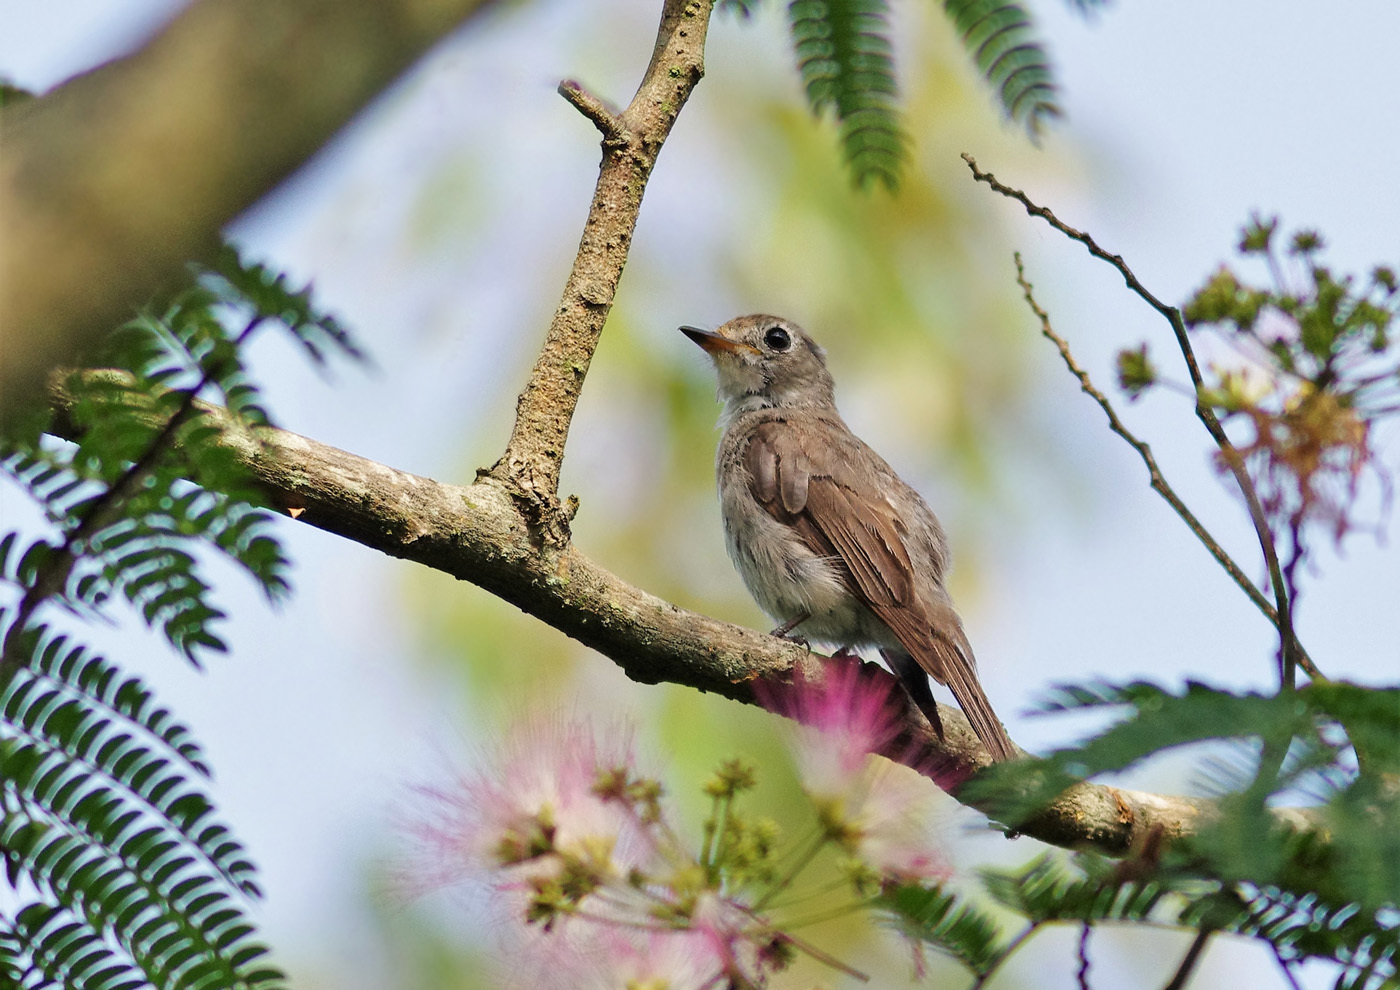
(766, 362)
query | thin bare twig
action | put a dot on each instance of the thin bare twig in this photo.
(603, 116)
(1157, 480)
(632, 140)
(1281, 614)
(1287, 664)
(1188, 964)
(1083, 972)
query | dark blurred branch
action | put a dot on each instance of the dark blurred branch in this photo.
(1082, 974)
(480, 534)
(112, 182)
(632, 140)
(1280, 613)
(1188, 963)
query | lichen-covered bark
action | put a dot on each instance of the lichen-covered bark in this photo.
(632, 140)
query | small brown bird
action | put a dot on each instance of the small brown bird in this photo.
(830, 541)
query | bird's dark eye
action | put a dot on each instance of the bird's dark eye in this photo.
(777, 338)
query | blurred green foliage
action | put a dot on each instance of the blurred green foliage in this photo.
(122, 876)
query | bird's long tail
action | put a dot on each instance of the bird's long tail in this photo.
(950, 665)
(963, 682)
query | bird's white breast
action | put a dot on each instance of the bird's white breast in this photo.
(785, 577)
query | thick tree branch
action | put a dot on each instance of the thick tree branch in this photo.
(112, 182)
(480, 534)
(632, 140)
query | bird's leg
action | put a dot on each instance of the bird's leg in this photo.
(791, 624)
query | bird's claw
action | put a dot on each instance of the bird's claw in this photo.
(784, 631)
(791, 637)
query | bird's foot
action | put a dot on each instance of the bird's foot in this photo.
(792, 638)
(782, 631)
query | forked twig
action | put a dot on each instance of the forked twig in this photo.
(1280, 613)
(1157, 480)
(632, 138)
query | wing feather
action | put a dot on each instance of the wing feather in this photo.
(761, 461)
(835, 511)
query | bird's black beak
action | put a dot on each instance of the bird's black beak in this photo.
(715, 343)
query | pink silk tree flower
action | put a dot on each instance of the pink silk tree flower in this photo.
(878, 812)
(532, 816)
(605, 957)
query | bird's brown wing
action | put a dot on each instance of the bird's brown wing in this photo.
(796, 484)
(823, 496)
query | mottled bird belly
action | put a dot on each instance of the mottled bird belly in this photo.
(788, 580)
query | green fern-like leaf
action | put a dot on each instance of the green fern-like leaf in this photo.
(179, 926)
(1159, 720)
(254, 285)
(937, 918)
(70, 704)
(844, 55)
(60, 952)
(1000, 37)
(104, 823)
(1363, 864)
(1304, 926)
(1351, 857)
(22, 558)
(13, 961)
(1370, 716)
(188, 349)
(143, 558)
(135, 540)
(98, 817)
(1299, 926)
(1052, 888)
(1329, 892)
